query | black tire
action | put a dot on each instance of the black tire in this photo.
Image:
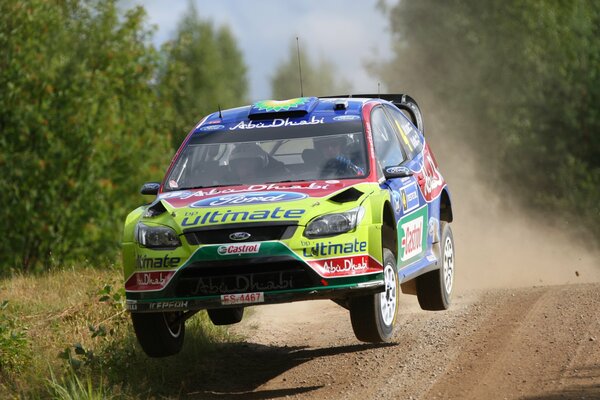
(159, 334)
(369, 320)
(226, 316)
(434, 289)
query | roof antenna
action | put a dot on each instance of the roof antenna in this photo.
(299, 67)
(220, 113)
(378, 89)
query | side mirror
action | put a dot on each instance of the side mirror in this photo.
(150, 188)
(396, 172)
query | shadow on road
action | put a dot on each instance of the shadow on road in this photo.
(236, 370)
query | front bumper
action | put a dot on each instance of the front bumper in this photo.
(216, 301)
(269, 272)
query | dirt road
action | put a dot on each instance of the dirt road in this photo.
(540, 340)
(527, 343)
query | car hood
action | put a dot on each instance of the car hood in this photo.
(293, 201)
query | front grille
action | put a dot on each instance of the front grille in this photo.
(255, 275)
(258, 233)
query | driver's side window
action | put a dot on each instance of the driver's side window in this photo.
(387, 145)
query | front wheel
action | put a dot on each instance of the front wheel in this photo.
(373, 316)
(160, 334)
(434, 289)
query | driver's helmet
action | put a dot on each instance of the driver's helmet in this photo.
(245, 153)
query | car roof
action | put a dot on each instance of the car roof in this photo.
(306, 108)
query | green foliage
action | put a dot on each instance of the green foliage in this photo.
(111, 354)
(520, 81)
(14, 347)
(66, 320)
(116, 298)
(202, 70)
(318, 78)
(103, 333)
(80, 128)
(73, 387)
(78, 356)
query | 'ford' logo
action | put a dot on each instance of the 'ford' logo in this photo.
(240, 199)
(398, 170)
(346, 118)
(209, 128)
(239, 236)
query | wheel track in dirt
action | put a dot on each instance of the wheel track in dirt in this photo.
(485, 350)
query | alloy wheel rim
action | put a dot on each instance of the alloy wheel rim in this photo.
(388, 297)
(448, 265)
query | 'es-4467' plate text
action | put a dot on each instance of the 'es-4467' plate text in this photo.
(242, 298)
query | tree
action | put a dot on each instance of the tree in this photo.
(202, 70)
(318, 79)
(520, 82)
(80, 128)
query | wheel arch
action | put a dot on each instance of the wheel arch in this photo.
(389, 238)
(446, 207)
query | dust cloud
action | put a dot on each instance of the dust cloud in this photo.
(499, 245)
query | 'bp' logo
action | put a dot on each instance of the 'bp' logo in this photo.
(240, 199)
(281, 105)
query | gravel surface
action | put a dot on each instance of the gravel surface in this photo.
(526, 343)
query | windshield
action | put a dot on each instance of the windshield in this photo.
(223, 160)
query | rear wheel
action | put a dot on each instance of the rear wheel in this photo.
(373, 316)
(434, 289)
(159, 334)
(226, 316)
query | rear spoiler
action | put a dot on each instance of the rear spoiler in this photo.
(402, 101)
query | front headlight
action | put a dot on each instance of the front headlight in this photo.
(334, 224)
(158, 237)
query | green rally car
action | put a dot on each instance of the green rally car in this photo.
(309, 198)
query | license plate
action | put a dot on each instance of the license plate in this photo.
(242, 298)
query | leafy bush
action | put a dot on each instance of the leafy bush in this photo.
(517, 81)
(87, 110)
(80, 128)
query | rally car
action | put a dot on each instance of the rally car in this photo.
(310, 198)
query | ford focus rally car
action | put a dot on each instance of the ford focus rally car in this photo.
(309, 198)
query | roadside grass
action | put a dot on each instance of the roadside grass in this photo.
(66, 335)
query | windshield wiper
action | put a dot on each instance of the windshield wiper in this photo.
(236, 184)
(290, 180)
(204, 187)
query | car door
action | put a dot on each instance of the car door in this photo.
(421, 164)
(410, 208)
